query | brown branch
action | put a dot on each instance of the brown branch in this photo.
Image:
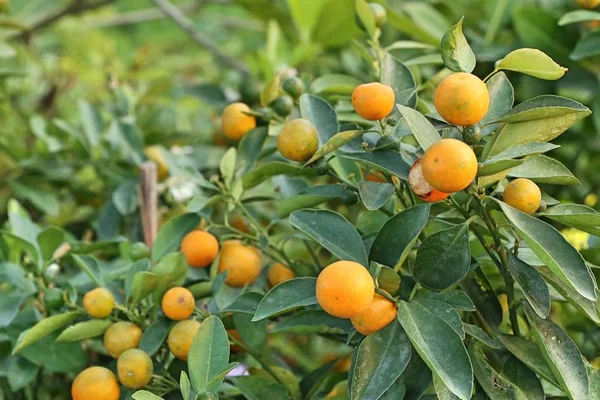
(188, 26)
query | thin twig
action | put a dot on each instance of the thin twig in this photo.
(188, 26)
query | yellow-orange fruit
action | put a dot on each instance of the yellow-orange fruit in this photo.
(373, 101)
(181, 336)
(298, 140)
(589, 4)
(242, 264)
(345, 289)
(200, 248)
(99, 302)
(523, 195)
(449, 165)
(235, 123)
(279, 273)
(178, 303)
(135, 369)
(240, 223)
(154, 154)
(420, 187)
(377, 316)
(95, 383)
(462, 99)
(122, 336)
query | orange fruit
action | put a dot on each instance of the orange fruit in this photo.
(374, 176)
(377, 316)
(589, 4)
(449, 165)
(242, 264)
(95, 383)
(279, 273)
(235, 123)
(240, 223)
(99, 302)
(135, 369)
(345, 289)
(122, 336)
(523, 195)
(420, 187)
(235, 347)
(298, 140)
(200, 248)
(181, 336)
(462, 99)
(342, 365)
(178, 303)
(373, 101)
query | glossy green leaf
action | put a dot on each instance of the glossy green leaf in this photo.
(397, 236)
(388, 161)
(416, 378)
(456, 52)
(84, 330)
(288, 295)
(209, 355)
(249, 149)
(143, 284)
(330, 84)
(554, 250)
(543, 107)
(543, 169)
(587, 46)
(533, 285)
(44, 328)
(457, 299)
(442, 391)
(479, 334)
(502, 97)
(481, 292)
(379, 360)
(185, 385)
(562, 356)
(262, 173)
(445, 312)
(334, 143)
(577, 16)
(511, 157)
(397, 75)
(312, 321)
(259, 388)
(439, 346)
(145, 395)
(333, 232)
(155, 335)
(573, 215)
(312, 196)
(531, 62)
(172, 233)
(321, 114)
(423, 131)
(374, 194)
(245, 303)
(171, 270)
(437, 252)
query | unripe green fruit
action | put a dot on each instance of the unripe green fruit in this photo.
(53, 298)
(349, 197)
(472, 135)
(282, 105)
(294, 87)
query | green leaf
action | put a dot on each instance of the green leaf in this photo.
(479, 334)
(562, 355)
(172, 270)
(249, 149)
(145, 395)
(172, 233)
(397, 75)
(311, 197)
(542, 107)
(230, 367)
(56, 357)
(439, 346)
(374, 194)
(457, 299)
(49, 240)
(209, 355)
(246, 303)
(445, 312)
(533, 285)
(587, 46)
(481, 292)
(252, 333)
(365, 15)
(396, 237)
(502, 97)
(531, 62)
(312, 321)
(333, 232)
(20, 373)
(573, 215)
(530, 355)
(594, 376)
(84, 330)
(437, 252)
(388, 161)
(576, 16)
(378, 361)
(543, 169)
(155, 335)
(456, 52)
(45, 200)
(270, 91)
(321, 114)
(260, 388)
(44, 328)
(262, 173)
(142, 285)
(288, 295)
(227, 165)
(409, 45)
(91, 122)
(416, 378)
(334, 84)
(185, 385)
(334, 143)
(424, 132)
(510, 157)
(553, 249)
(428, 18)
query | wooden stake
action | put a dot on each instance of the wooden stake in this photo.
(148, 198)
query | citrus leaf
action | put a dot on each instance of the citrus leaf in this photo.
(311, 197)
(44, 328)
(423, 131)
(84, 330)
(145, 395)
(531, 62)
(266, 171)
(142, 285)
(502, 97)
(288, 295)
(270, 91)
(445, 312)
(587, 46)
(155, 335)
(321, 114)
(542, 107)
(397, 75)
(313, 321)
(334, 143)
(573, 214)
(510, 157)
(481, 292)
(543, 169)
(374, 194)
(169, 237)
(533, 285)
(334, 84)
(365, 15)
(249, 150)
(456, 52)
(388, 161)
(576, 16)
(479, 334)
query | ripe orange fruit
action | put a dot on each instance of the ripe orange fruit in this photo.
(240, 223)
(178, 303)
(122, 336)
(377, 316)
(200, 248)
(242, 264)
(99, 302)
(589, 4)
(462, 99)
(420, 187)
(373, 101)
(374, 176)
(345, 289)
(523, 195)
(235, 123)
(298, 140)
(449, 165)
(95, 383)
(181, 336)
(135, 369)
(342, 365)
(279, 273)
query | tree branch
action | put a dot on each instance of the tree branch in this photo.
(188, 26)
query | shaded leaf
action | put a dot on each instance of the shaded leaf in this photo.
(533, 285)
(456, 52)
(288, 295)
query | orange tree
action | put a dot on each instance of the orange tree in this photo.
(441, 275)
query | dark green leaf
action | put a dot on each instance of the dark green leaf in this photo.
(374, 194)
(142, 285)
(455, 298)
(20, 373)
(543, 169)
(510, 157)
(502, 97)
(456, 52)
(155, 335)
(312, 321)
(172, 233)
(262, 173)
(445, 312)
(310, 197)
(91, 122)
(588, 46)
(288, 295)
(481, 292)
(388, 161)
(573, 215)
(321, 114)
(533, 285)
(260, 388)
(249, 149)
(246, 303)
(397, 75)
(479, 334)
